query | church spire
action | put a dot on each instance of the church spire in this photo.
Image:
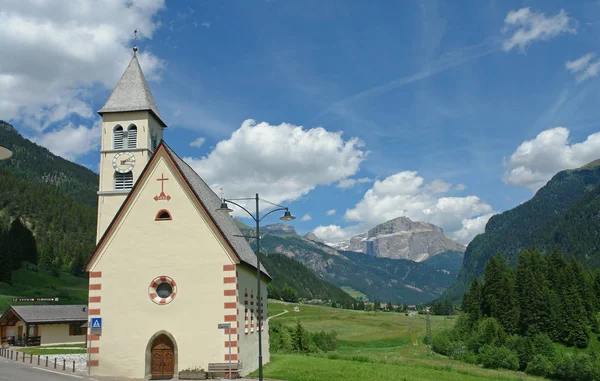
(132, 93)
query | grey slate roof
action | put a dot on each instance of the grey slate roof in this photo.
(49, 314)
(132, 93)
(212, 202)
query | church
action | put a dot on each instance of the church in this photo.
(168, 268)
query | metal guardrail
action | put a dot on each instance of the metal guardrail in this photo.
(11, 354)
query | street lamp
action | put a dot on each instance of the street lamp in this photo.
(5, 153)
(287, 216)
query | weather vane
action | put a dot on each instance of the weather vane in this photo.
(135, 49)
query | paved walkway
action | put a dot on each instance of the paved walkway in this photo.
(279, 314)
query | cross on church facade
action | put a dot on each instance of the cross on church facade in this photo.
(162, 195)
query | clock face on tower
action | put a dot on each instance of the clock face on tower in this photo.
(123, 162)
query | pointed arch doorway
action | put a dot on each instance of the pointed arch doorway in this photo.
(161, 357)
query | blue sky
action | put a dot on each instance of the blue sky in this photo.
(446, 112)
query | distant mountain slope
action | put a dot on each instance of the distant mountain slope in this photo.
(36, 164)
(379, 278)
(450, 261)
(563, 215)
(55, 198)
(289, 272)
(402, 238)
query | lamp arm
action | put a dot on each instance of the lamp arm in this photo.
(274, 210)
(245, 210)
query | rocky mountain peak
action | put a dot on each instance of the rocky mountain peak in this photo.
(312, 237)
(401, 238)
(278, 229)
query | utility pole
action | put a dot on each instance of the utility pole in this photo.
(428, 333)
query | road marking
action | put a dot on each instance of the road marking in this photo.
(61, 373)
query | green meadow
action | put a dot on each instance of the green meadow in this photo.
(26, 283)
(372, 346)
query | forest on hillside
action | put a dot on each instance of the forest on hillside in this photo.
(562, 215)
(512, 317)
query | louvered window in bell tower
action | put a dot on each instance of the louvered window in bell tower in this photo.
(132, 136)
(118, 137)
(123, 181)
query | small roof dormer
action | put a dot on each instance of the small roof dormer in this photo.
(132, 93)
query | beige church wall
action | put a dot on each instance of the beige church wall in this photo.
(58, 334)
(108, 204)
(107, 172)
(142, 119)
(248, 338)
(141, 249)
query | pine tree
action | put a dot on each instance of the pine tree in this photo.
(471, 303)
(21, 244)
(533, 293)
(498, 294)
(575, 320)
(5, 261)
(77, 265)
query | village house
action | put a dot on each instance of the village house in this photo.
(44, 325)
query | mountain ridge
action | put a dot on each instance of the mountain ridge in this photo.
(401, 238)
(561, 215)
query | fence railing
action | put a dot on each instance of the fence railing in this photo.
(11, 354)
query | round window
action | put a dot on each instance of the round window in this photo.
(162, 290)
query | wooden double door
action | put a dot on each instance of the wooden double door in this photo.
(163, 358)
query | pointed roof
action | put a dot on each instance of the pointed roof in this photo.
(208, 200)
(132, 93)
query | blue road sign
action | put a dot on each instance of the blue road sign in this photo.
(96, 323)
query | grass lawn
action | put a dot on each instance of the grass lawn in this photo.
(355, 293)
(68, 288)
(54, 350)
(372, 346)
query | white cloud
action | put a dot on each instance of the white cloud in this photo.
(282, 163)
(584, 66)
(331, 212)
(198, 142)
(460, 187)
(306, 217)
(535, 161)
(206, 24)
(70, 142)
(50, 62)
(438, 186)
(580, 63)
(332, 233)
(406, 194)
(526, 26)
(349, 183)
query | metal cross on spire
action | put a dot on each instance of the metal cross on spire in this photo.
(135, 49)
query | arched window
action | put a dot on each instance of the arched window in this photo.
(132, 136)
(123, 181)
(163, 215)
(118, 137)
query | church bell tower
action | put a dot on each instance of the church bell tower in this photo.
(132, 128)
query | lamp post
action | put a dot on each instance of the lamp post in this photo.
(287, 216)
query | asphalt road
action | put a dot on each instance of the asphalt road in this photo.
(16, 371)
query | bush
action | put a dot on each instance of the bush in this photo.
(443, 343)
(542, 345)
(563, 367)
(584, 368)
(539, 366)
(523, 347)
(498, 357)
